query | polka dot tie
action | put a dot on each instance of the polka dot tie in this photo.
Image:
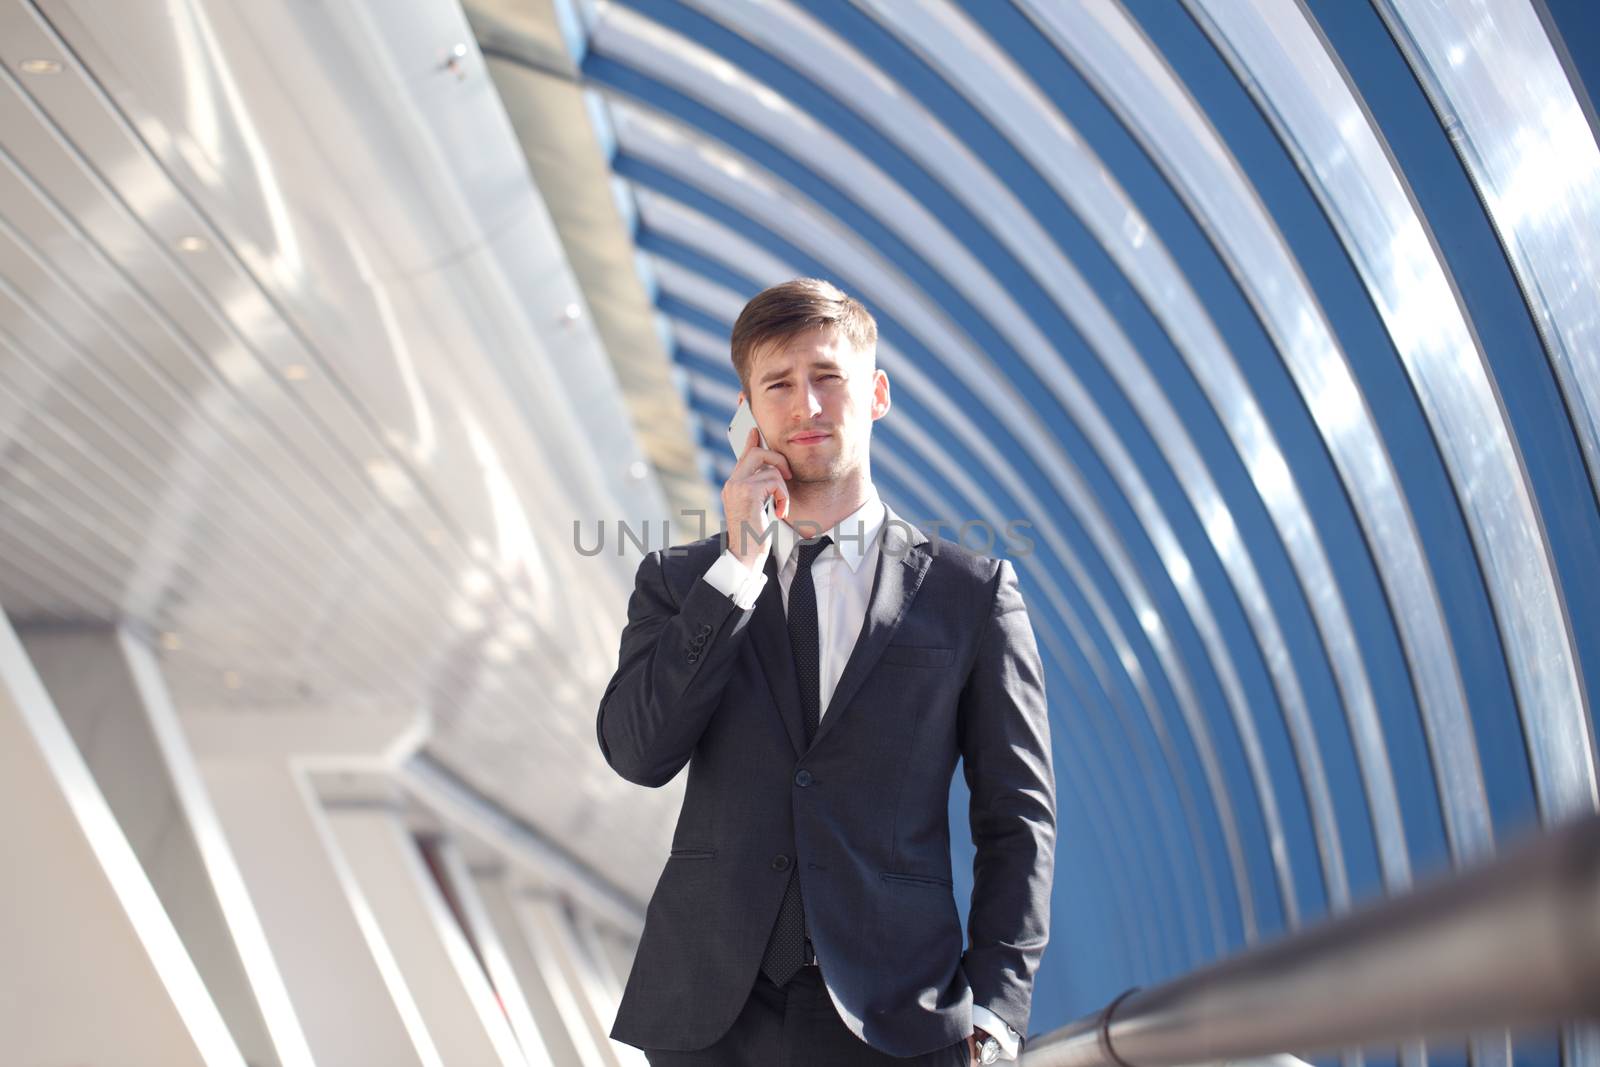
(786, 950)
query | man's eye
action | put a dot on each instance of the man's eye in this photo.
(825, 377)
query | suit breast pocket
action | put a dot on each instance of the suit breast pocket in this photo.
(693, 854)
(917, 656)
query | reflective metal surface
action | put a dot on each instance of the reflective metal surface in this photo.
(1299, 86)
(1520, 131)
(1512, 944)
(1135, 81)
(1516, 122)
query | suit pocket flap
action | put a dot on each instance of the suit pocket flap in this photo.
(918, 656)
(916, 879)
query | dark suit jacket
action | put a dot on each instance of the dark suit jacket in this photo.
(945, 666)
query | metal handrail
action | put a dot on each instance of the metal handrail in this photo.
(1512, 944)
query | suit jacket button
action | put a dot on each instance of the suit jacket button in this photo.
(802, 778)
(780, 863)
(694, 657)
(705, 628)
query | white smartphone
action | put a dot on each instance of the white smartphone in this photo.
(738, 434)
(744, 420)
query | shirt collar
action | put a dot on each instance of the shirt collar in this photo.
(852, 535)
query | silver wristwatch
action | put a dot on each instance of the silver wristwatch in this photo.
(989, 1049)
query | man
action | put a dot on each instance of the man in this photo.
(821, 687)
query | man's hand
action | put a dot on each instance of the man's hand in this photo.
(973, 1039)
(759, 474)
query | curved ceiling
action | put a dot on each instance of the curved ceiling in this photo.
(1276, 325)
(315, 422)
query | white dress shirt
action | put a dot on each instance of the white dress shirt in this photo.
(842, 575)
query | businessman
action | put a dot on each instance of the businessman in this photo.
(821, 677)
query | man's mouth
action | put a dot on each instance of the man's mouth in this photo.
(807, 438)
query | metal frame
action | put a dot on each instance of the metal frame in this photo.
(1113, 55)
(1513, 943)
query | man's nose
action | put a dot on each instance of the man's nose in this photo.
(810, 405)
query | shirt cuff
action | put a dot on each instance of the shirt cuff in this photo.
(991, 1023)
(733, 579)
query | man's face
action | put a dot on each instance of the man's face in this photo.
(815, 398)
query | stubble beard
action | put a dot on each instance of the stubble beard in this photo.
(821, 470)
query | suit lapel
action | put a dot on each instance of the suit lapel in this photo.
(903, 561)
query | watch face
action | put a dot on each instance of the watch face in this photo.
(990, 1050)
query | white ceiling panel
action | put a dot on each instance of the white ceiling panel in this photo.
(290, 381)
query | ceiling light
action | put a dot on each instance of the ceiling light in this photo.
(231, 679)
(39, 66)
(296, 372)
(171, 642)
(192, 244)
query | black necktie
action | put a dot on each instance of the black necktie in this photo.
(786, 952)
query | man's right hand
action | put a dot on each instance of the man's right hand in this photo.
(759, 474)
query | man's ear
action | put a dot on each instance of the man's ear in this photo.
(880, 395)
